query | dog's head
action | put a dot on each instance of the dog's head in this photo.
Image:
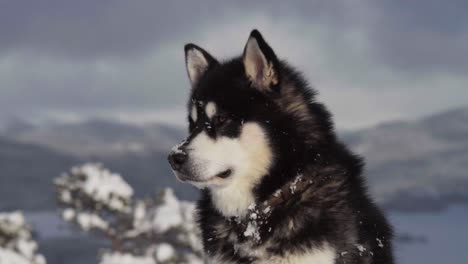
(228, 142)
(239, 114)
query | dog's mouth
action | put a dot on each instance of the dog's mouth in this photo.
(218, 178)
(224, 174)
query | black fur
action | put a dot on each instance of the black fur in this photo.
(336, 209)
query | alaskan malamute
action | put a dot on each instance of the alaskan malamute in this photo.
(277, 185)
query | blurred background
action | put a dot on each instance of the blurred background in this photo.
(105, 81)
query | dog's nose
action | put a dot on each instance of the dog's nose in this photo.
(177, 159)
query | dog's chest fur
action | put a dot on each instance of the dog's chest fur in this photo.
(260, 241)
(245, 250)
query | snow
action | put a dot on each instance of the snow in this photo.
(98, 183)
(150, 230)
(192, 234)
(177, 148)
(277, 193)
(252, 231)
(379, 241)
(253, 224)
(193, 259)
(40, 259)
(139, 212)
(293, 186)
(168, 214)
(87, 221)
(16, 243)
(104, 186)
(12, 223)
(361, 248)
(164, 252)
(26, 247)
(125, 258)
(65, 196)
(11, 257)
(68, 214)
(257, 218)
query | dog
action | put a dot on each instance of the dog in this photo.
(277, 185)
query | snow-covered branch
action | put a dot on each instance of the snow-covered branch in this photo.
(16, 241)
(159, 229)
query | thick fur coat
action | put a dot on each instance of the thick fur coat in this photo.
(255, 127)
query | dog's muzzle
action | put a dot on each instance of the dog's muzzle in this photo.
(177, 160)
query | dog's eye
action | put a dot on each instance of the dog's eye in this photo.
(220, 119)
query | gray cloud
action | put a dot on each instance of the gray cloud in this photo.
(429, 36)
(406, 33)
(89, 28)
(90, 56)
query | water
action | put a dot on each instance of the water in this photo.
(446, 233)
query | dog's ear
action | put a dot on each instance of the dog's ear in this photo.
(197, 62)
(260, 63)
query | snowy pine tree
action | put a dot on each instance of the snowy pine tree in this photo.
(16, 241)
(146, 231)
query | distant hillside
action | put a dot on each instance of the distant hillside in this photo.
(27, 169)
(97, 137)
(417, 165)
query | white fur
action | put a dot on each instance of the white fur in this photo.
(322, 255)
(210, 109)
(249, 157)
(196, 65)
(193, 113)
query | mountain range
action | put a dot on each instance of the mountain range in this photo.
(421, 164)
(410, 165)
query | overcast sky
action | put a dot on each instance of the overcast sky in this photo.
(371, 61)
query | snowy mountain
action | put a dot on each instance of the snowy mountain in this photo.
(413, 165)
(97, 137)
(416, 165)
(27, 171)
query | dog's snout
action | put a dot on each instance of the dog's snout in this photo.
(177, 159)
